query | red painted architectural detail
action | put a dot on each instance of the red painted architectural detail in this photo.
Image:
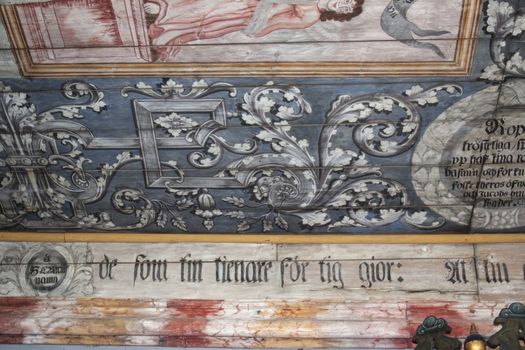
(85, 30)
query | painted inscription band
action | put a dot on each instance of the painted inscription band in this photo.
(270, 271)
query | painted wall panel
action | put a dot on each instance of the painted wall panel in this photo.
(280, 296)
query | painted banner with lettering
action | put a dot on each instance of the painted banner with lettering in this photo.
(253, 271)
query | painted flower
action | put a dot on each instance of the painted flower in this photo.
(206, 209)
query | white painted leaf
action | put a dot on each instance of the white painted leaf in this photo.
(179, 223)
(497, 12)
(243, 226)
(314, 218)
(492, 73)
(344, 222)
(281, 222)
(236, 201)
(414, 90)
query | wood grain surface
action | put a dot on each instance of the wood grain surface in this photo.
(365, 296)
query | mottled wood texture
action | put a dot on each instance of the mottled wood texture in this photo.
(218, 323)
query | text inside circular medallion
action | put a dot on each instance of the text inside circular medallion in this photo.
(46, 270)
(487, 164)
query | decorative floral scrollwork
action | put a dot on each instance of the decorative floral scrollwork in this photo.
(291, 182)
(44, 168)
(332, 185)
(214, 148)
(503, 21)
(172, 89)
(32, 154)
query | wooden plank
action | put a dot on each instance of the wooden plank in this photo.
(501, 272)
(242, 271)
(8, 66)
(367, 271)
(193, 325)
(335, 317)
(324, 310)
(127, 253)
(219, 328)
(133, 237)
(234, 342)
(413, 283)
(364, 251)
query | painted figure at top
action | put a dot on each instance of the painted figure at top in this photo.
(177, 22)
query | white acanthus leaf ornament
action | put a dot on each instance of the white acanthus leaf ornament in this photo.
(503, 21)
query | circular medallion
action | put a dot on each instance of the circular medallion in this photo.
(46, 270)
(469, 165)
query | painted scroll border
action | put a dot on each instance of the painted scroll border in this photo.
(460, 66)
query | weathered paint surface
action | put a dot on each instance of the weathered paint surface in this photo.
(189, 322)
(372, 37)
(218, 155)
(161, 301)
(127, 322)
(228, 134)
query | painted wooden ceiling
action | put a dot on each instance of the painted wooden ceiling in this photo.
(177, 123)
(263, 116)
